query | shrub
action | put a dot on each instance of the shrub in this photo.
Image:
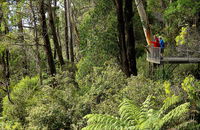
(21, 95)
(140, 87)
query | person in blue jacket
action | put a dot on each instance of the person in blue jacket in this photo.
(162, 45)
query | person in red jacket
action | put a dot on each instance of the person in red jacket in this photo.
(155, 43)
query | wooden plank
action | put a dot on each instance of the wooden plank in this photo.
(180, 60)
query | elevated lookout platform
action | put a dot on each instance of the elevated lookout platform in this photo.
(154, 56)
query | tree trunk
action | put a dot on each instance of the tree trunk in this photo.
(46, 39)
(66, 30)
(121, 35)
(36, 39)
(6, 73)
(130, 38)
(5, 61)
(70, 31)
(1, 18)
(144, 20)
(198, 22)
(55, 38)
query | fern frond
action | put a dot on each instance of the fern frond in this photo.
(106, 127)
(174, 114)
(100, 120)
(149, 123)
(168, 103)
(145, 109)
(129, 112)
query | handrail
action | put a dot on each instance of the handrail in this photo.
(154, 54)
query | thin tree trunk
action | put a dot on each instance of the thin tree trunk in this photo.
(46, 39)
(57, 24)
(5, 63)
(36, 39)
(1, 18)
(66, 30)
(198, 21)
(70, 31)
(130, 38)
(6, 73)
(55, 38)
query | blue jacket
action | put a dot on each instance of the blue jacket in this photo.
(162, 44)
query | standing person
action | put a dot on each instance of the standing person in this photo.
(162, 45)
(156, 42)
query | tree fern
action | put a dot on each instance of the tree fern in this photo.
(132, 117)
(174, 114)
(169, 102)
(129, 112)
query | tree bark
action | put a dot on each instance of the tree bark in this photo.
(144, 20)
(1, 18)
(66, 30)
(70, 31)
(121, 35)
(5, 60)
(54, 33)
(6, 73)
(130, 38)
(46, 39)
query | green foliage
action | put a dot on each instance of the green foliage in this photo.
(21, 96)
(55, 104)
(140, 87)
(144, 117)
(101, 92)
(180, 40)
(185, 9)
(167, 87)
(97, 37)
(51, 111)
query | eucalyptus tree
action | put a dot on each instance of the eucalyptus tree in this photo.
(54, 34)
(45, 35)
(126, 36)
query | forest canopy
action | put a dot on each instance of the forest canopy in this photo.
(99, 64)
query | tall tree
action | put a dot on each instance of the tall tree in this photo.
(126, 37)
(130, 38)
(46, 39)
(121, 35)
(54, 33)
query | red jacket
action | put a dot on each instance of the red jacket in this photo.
(155, 43)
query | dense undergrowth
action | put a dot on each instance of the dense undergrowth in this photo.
(144, 102)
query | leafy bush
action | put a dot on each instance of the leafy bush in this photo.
(52, 110)
(21, 95)
(140, 87)
(55, 104)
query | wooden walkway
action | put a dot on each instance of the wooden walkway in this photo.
(154, 56)
(179, 60)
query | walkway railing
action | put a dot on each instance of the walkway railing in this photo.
(154, 54)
